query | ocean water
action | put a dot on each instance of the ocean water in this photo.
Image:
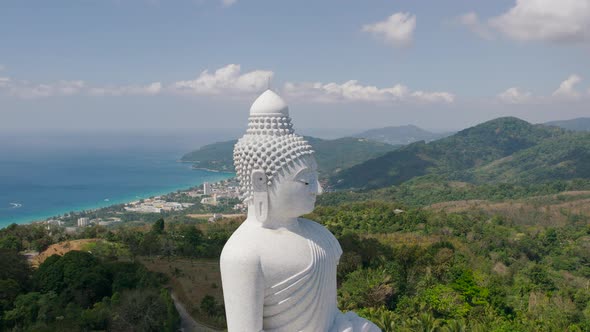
(48, 175)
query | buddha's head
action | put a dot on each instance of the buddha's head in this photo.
(276, 168)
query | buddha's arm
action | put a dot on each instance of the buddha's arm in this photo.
(243, 290)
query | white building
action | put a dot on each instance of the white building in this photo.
(207, 188)
(210, 200)
(83, 222)
(144, 209)
(54, 222)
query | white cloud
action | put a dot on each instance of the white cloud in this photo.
(228, 79)
(565, 91)
(27, 90)
(567, 88)
(150, 89)
(352, 91)
(546, 20)
(473, 23)
(515, 96)
(397, 29)
(433, 97)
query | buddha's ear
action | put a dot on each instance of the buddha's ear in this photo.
(260, 195)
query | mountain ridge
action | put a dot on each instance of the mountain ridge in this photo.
(400, 135)
(453, 156)
(331, 155)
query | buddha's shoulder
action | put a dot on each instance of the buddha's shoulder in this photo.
(314, 225)
(242, 244)
(321, 233)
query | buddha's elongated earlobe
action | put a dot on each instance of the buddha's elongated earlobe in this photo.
(260, 195)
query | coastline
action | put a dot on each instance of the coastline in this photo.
(112, 201)
(211, 170)
(193, 166)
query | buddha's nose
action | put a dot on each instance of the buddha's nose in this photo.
(320, 189)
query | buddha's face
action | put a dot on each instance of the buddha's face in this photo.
(294, 191)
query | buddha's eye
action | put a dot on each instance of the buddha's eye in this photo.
(304, 182)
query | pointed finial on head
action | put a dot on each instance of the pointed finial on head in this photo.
(269, 102)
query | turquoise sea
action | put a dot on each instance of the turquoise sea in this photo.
(43, 175)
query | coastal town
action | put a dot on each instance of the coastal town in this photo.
(217, 198)
(208, 193)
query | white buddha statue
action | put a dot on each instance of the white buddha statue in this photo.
(278, 270)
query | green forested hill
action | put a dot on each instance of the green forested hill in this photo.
(452, 156)
(562, 158)
(217, 156)
(331, 155)
(401, 135)
(335, 155)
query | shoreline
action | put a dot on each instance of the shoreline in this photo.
(193, 166)
(211, 170)
(111, 202)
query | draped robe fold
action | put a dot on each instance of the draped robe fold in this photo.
(306, 301)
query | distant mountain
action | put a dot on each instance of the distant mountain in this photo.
(579, 124)
(452, 156)
(334, 155)
(401, 135)
(217, 156)
(331, 155)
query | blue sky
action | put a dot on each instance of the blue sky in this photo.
(133, 64)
